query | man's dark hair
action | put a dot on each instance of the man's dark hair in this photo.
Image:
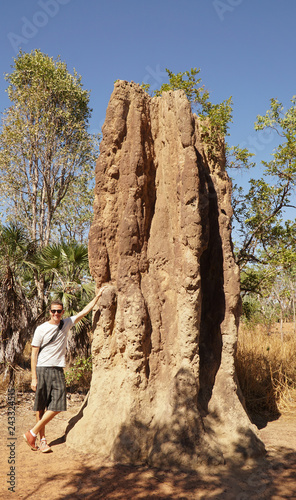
(56, 303)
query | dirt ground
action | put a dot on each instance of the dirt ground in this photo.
(69, 475)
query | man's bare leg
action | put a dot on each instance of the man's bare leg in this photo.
(40, 425)
(39, 415)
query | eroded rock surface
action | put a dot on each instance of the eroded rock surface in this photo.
(163, 389)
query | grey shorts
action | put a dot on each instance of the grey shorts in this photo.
(51, 389)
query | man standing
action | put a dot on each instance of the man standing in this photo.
(47, 363)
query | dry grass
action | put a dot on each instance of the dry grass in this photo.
(266, 368)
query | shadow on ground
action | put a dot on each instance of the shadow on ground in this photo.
(274, 477)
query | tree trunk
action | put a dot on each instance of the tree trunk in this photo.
(164, 389)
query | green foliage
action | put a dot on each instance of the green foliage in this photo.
(191, 85)
(145, 86)
(72, 220)
(260, 213)
(78, 376)
(215, 118)
(218, 115)
(259, 310)
(66, 265)
(46, 152)
(255, 279)
(16, 309)
(268, 292)
(238, 158)
(283, 164)
(256, 289)
(17, 254)
(14, 247)
(251, 309)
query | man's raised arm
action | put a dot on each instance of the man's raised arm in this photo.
(89, 306)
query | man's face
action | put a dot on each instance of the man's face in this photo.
(56, 311)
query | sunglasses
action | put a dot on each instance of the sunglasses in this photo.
(59, 311)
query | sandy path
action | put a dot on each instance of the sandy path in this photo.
(68, 475)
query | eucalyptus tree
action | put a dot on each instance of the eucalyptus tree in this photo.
(260, 213)
(44, 142)
(267, 250)
(46, 152)
(267, 238)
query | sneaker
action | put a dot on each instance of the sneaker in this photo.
(43, 446)
(30, 440)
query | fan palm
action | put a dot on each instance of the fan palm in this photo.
(66, 267)
(15, 304)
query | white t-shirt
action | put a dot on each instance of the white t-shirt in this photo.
(54, 353)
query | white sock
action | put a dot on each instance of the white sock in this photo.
(34, 435)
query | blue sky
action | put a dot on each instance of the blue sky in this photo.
(244, 48)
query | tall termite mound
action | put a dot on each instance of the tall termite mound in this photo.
(164, 389)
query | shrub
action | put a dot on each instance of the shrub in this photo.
(78, 376)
